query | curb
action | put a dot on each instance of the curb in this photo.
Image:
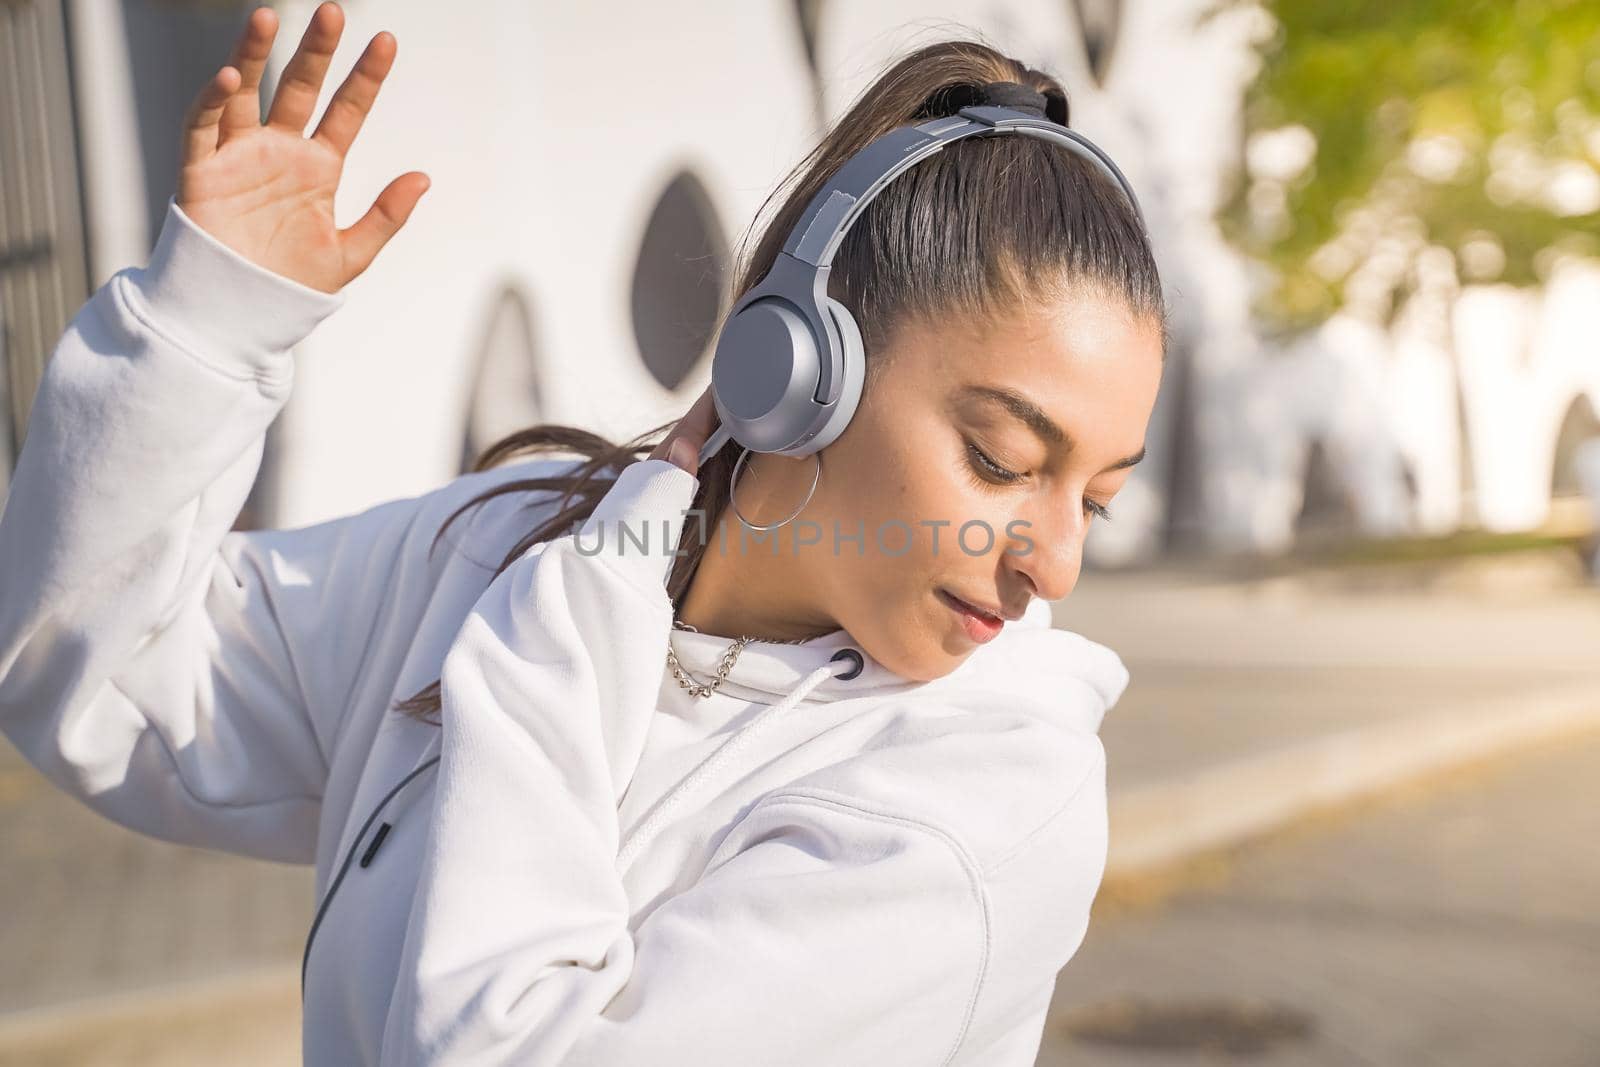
(1155, 825)
(178, 1024)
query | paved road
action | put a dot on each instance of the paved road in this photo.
(1222, 671)
(1453, 922)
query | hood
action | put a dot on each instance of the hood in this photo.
(1064, 676)
(1053, 675)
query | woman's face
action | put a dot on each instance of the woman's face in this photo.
(907, 512)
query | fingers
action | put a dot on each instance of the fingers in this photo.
(301, 83)
(700, 421)
(682, 454)
(364, 240)
(342, 119)
(682, 445)
(243, 111)
(200, 123)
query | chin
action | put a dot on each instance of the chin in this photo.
(933, 653)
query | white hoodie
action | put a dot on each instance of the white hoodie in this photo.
(584, 865)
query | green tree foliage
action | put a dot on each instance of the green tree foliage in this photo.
(1472, 126)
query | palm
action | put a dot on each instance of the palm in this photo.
(269, 196)
(264, 189)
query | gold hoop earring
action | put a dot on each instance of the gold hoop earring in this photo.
(733, 500)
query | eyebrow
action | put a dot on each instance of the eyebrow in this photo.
(1034, 417)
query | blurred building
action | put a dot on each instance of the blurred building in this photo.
(595, 167)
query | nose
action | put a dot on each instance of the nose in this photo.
(1048, 555)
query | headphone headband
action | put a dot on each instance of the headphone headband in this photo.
(835, 207)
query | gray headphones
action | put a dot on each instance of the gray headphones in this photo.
(789, 364)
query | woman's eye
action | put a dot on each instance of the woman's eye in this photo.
(993, 472)
(990, 469)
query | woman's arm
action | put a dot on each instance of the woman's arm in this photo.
(153, 662)
(146, 662)
(821, 932)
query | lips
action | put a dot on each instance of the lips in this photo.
(988, 616)
(980, 626)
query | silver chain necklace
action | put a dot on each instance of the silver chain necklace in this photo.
(697, 689)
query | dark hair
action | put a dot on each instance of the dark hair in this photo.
(975, 229)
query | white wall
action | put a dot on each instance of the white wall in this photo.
(551, 131)
(548, 132)
(1524, 355)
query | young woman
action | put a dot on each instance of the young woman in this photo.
(576, 797)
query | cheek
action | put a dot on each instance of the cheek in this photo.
(893, 472)
(911, 501)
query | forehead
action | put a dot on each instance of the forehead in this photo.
(1079, 354)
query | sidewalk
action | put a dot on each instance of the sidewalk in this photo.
(1449, 922)
(1254, 702)
(1251, 703)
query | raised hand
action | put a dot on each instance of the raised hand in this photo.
(265, 189)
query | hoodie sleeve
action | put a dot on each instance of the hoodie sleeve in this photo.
(820, 932)
(148, 661)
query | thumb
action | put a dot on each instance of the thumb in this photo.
(364, 240)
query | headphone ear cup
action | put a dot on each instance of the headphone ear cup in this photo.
(850, 336)
(853, 368)
(758, 372)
